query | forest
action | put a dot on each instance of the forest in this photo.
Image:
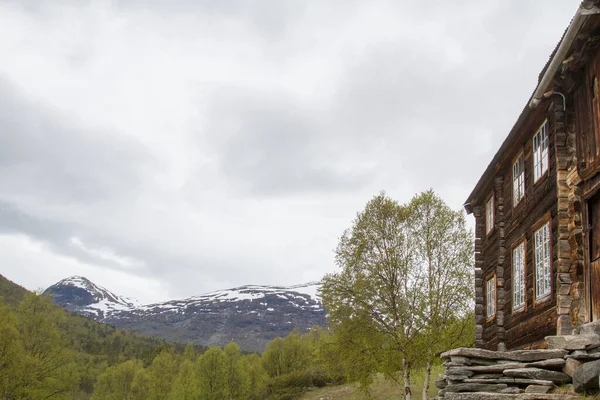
(401, 294)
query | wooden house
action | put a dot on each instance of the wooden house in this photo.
(537, 205)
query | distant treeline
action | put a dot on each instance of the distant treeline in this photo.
(49, 353)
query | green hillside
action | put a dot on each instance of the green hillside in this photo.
(50, 345)
(11, 293)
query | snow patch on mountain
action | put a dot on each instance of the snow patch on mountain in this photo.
(85, 297)
(102, 302)
(250, 315)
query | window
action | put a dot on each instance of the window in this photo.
(518, 276)
(541, 254)
(540, 152)
(518, 180)
(490, 285)
(489, 215)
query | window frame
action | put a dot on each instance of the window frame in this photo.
(545, 221)
(491, 317)
(543, 128)
(520, 157)
(521, 307)
(490, 222)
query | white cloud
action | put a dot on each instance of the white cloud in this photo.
(105, 253)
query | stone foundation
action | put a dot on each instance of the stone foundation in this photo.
(571, 363)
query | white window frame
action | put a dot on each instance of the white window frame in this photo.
(489, 215)
(490, 297)
(542, 261)
(540, 152)
(518, 276)
(518, 179)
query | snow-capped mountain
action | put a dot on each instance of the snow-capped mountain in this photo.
(82, 296)
(250, 315)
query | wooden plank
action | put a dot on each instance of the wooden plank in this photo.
(595, 280)
(594, 207)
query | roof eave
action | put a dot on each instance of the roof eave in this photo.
(585, 9)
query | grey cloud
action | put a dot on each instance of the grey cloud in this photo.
(47, 159)
(47, 156)
(56, 234)
(48, 162)
(425, 110)
(272, 144)
(269, 18)
(161, 264)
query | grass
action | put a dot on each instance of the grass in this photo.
(381, 389)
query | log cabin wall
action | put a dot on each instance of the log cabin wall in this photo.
(515, 224)
(479, 282)
(488, 257)
(567, 196)
(570, 285)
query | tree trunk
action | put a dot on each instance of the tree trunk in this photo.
(427, 377)
(407, 391)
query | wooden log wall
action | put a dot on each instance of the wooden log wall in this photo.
(479, 282)
(565, 280)
(514, 224)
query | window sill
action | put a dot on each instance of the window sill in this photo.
(542, 301)
(519, 203)
(590, 170)
(519, 310)
(542, 177)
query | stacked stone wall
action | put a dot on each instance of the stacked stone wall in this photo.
(570, 365)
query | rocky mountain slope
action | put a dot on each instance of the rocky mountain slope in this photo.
(249, 315)
(84, 297)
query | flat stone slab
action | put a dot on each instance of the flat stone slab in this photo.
(463, 370)
(474, 387)
(590, 328)
(538, 373)
(584, 356)
(449, 364)
(516, 355)
(573, 342)
(487, 368)
(557, 363)
(487, 376)
(512, 390)
(499, 396)
(454, 378)
(482, 361)
(508, 380)
(554, 363)
(537, 389)
(440, 383)
(460, 360)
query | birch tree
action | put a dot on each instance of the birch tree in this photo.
(376, 299)
(403, 291)
(211, 369)
(443, 249)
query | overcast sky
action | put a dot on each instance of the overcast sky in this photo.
(165, 149)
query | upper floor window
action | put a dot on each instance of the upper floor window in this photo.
(518, 276)
(518, 180)
(540, 152)
(489, 215)
(541, 240)
(490, 296)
